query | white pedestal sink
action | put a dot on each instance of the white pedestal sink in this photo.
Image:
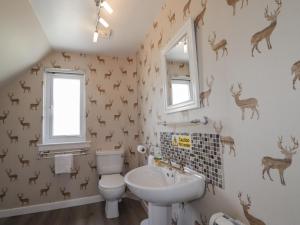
(162, 187)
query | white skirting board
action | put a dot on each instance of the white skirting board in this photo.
(50, 206)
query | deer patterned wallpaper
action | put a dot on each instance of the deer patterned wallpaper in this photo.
(111, 124)
(249, 70)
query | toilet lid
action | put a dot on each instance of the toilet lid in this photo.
(111, 181)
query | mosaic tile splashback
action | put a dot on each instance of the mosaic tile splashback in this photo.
(205, 156)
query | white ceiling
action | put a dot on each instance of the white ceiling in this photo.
(30, 28)
(69, 24)
(22, 40)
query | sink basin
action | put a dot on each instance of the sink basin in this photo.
(162, 187)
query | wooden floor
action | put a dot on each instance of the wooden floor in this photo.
(131, 213)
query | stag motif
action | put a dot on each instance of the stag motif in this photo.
(33, 179)
(12, 176)
(35, 69)
(131, 151)
(134, 74)
(131, 121)
(130, 89)
(24, 87)
(109, 105)
(266, 33)
(246, 207)
(200, 17)
(100, 89)
(3, 193)
(296, 72)
(172, 19)
(205, 94)
(24, 201)
(136, 136)
(118, 146)
(92, 166)
(129, 60)
(117, 116)
(44, 191)
(186, 8)
(233, 3)
(100, 60)
(52, 170)
(280, 164)
(92, 101)
(92, 69)
(225, 140)
(125, 132)
(124, 101)
(13, 138)
(4, 116)
(23, 161)
(109, 137)
(3, 155)
(221, 45)
(84, 184)
(34, 106)
(54, 65)
(65, 193)
(33, 142)
(250, 103)
(123, 71)
(92, 133)
(100, 121)
(66, 56)
(108, 75)
(159, 42)
(117, 85)
(24, 124)
(74, 172)
(152, 45)
(13, 100)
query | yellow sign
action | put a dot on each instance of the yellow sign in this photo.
(182, 141)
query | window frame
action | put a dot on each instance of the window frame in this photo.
(51, 142)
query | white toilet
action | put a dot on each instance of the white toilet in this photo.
(111, 185)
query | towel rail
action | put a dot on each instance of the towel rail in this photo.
(195, 122)
(51, 154)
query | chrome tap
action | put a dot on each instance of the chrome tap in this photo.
(181, 165)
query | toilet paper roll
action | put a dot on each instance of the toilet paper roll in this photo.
(141, 149)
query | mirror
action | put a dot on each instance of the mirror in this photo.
(180, 71)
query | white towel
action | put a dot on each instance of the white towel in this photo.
(63, 163)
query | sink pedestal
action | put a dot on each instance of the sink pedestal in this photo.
(158, 215)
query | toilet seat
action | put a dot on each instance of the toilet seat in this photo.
(113, 181)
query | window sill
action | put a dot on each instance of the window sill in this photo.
(64, 146)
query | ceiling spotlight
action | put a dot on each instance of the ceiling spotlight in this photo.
(107, 7)
(95, 37)
(103, 22)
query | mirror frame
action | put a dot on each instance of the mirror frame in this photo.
(189, 30)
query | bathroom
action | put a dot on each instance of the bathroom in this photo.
(212, 145)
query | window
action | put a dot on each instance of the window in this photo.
(181, 91)
(64, 109)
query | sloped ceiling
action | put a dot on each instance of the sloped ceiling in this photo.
(31, 28)
(70, 24)
(22, 40)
